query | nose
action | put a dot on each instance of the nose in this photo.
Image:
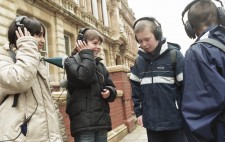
(143, 44)
(43, 39)
(98, 48)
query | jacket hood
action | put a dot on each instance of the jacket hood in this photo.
(215, 32)
(98, 59)
(162, 48)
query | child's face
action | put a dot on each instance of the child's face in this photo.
(147, 40)
(94, 45)
(41, 39)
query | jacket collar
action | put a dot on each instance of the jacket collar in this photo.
(215, 32)
(98, 59)
(161, 48)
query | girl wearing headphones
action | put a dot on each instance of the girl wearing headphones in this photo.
(28, 112)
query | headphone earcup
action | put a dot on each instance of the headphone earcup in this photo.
(81, 33)
(158, 33)
(189, 30)
(221, 13)
(80, 36)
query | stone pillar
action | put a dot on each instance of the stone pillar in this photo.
(59, 46)
(100, 10)
(105, 13)
(89, 10)
(6, 16)
(115, 19)
(95, 8)
(114, 52)
(78, 2)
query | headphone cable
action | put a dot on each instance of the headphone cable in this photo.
(24, 125)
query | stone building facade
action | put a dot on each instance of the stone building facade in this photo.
(62, 20)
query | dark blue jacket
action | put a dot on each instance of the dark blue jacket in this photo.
(154, 92)
(204, 86)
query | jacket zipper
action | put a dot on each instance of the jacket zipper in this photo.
(153, 94)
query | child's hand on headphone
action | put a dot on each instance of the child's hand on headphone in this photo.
(81, 45)
(20, 33)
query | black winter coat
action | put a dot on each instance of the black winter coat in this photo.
(87, 77)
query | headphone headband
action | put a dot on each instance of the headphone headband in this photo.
(157, 31)
(83, 30)
(187, 25)
(19, 19)
(147, 18)
(188, 7)
(193, 2)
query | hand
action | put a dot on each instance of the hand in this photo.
(139, 121)
(81, 45)
(20, 33)
(105, 93)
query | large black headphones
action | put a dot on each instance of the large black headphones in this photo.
(187, 26)
(157, 31)
(81, 33)
(18, 21)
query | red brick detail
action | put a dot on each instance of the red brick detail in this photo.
(62, 109)
(125, 106)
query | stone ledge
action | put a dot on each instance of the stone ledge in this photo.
(117, 133)
(118, 68)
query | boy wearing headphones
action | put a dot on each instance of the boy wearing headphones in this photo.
(157, 83)
(90, 89)
(203, 99)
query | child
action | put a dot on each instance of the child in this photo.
(90, 89)
(204, 72)
(27, 109)
(156, 82)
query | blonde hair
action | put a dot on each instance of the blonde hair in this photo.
(145, 24)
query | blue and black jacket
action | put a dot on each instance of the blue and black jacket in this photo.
(154, 91)
(204, 86)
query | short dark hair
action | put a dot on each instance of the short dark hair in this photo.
(33, 26)
(92, 34)
(203, 13)
(89, 35)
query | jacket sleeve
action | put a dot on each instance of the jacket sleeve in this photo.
(179, 76)
(203, 97)
(80, 73)
(136, 90)
(19, 77)
(179, 67)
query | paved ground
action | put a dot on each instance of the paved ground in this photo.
(138, 135)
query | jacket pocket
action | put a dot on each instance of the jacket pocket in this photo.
(11, 119)
(95, 104)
